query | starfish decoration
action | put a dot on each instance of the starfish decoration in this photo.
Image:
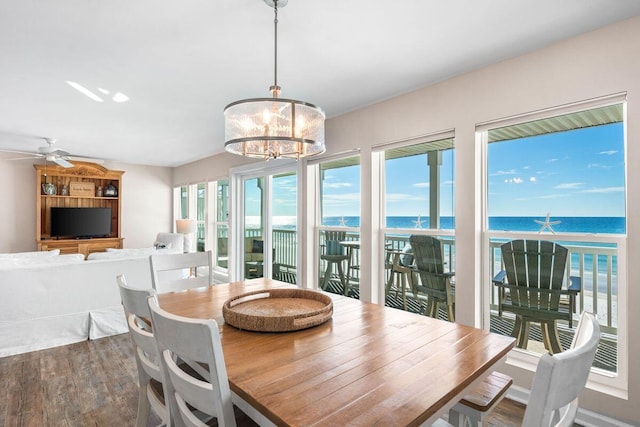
(342, 222)
(418, 222)
(547, 224)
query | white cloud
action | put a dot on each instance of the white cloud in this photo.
(604, 190)
(598, 166)
(420, 184)
(515, 180)
(569, 186)
(341, 197)
(552, 160)
(337, 184)
(403, 197)
(609, 152)
(532, 179)
(501, 172)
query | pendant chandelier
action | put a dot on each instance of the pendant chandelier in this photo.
(270, 128)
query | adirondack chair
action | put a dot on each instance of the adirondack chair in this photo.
(531, 287)
(434, 283)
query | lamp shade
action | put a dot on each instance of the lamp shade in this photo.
(186, 226)
(270, 128)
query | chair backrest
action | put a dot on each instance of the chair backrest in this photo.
(560, 378)
(170, 241)
(177, 272)
(429, 261)
(145, 349)
(332, 239)
(535, 269)
(406, 258)
(199, 341)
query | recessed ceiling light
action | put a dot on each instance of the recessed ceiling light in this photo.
(120, 97)
(83, 90)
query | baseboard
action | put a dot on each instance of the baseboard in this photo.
(585, 418)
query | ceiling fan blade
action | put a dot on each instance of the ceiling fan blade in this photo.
(62, 162)
(85, 159)
(23, 152)
(21, 158)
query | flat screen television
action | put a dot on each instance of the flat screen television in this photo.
(80, 223)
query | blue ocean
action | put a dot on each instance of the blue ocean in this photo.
(570, 224)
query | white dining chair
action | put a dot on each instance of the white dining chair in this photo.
(559, 379)
(150, 376)
(197, 340)
(177, 272)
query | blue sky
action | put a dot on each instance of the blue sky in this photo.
(284, 196)
(576, 173)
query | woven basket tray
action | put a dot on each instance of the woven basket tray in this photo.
(277, 310)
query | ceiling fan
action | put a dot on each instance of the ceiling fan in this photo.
(52, 154)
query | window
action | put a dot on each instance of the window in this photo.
(419, 185)
(561, 178)
(284, 191)
(265, 234)
(183, 202)
(418, 199)
(201, 216)
(339, 231)
(219, 235)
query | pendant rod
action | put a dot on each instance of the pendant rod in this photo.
(275, 44)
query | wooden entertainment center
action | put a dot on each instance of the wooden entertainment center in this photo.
(83, 186)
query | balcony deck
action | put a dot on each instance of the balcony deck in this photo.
(599, 293)
(606, 354)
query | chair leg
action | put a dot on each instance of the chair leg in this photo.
(451, 313)
(144, 407)
(432, 307)
(550, 336)
(327, 274)
(389, 282)
(345, 286)
(520, 332)
(403, 283)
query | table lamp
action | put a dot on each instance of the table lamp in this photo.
(188, 227)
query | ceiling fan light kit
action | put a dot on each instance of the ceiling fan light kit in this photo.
(271, 128)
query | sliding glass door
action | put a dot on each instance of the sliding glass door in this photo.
(269, 224)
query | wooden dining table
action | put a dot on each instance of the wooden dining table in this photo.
(368, 365)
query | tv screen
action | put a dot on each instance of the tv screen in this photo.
(80, 222)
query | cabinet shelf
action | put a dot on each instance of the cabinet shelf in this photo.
(56, 196)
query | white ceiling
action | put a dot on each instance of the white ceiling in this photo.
(181, 62)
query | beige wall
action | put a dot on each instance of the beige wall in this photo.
(599, 63)
(18, 206)
(209, 169)
(146, 204)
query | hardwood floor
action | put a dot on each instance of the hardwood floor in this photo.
(94, 383)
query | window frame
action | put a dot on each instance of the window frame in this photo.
(615, 384)
(378, 159)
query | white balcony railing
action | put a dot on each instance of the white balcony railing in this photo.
(595, 263)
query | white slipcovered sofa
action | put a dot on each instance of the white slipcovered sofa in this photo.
(47, 299)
